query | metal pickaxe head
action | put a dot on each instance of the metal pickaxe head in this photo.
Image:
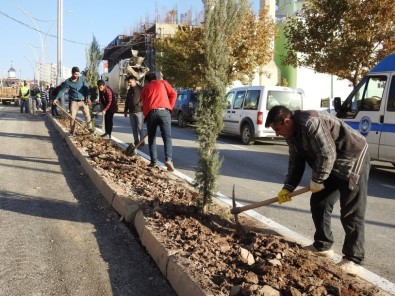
(131, 149)
(235, 212)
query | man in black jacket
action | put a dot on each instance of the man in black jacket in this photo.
(134, 106)
(338, 157)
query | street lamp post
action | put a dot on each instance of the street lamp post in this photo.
(43, 41)
(37, 68)
(34, 78)
(39, 34)
(59, 77)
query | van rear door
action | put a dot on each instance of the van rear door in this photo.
(387, 139)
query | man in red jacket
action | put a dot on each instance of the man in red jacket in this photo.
(158, 98)
(110, 106)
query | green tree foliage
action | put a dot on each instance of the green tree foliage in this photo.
(182, 58)
(250, 45)
(93, 58)
(341, 37)
(219, 21)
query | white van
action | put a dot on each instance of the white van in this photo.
(247, 107)
(370, 108)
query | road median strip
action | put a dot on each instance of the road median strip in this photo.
(181, 280)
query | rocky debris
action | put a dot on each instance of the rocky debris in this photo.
(225, 261)
(246, 256)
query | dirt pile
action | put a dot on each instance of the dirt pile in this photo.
(222, 260)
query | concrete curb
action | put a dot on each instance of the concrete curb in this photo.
(129, 209)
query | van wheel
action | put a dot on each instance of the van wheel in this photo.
(247, 136)
(181, 120)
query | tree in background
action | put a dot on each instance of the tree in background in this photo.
(93, 58)
(341, 37)
(220, 20)
(182, 58)
(91, 73)
(250, 45)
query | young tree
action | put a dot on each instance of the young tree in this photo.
(220, 19)
(341, 37)
(93, 58)
(181, 58)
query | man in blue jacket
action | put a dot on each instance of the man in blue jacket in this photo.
(78, 91)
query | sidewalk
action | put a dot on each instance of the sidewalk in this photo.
(59, 235)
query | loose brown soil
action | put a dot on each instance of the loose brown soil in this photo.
(224, 261)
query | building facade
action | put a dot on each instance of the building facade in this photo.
(48, 73)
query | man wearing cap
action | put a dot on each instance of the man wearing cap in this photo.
(78, 91)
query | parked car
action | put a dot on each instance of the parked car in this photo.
(247, 107)
(185, 107)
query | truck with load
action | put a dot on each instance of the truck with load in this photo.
(370, 109)
(9, 94)
(116, 78)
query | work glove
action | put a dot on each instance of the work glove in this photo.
(315, 187)
(282, 196)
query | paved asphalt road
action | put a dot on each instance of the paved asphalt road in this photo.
(59, 236)
(258, 172)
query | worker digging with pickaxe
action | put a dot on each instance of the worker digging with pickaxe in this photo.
(340, 163)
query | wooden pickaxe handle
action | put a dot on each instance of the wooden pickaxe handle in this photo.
(76, 121)
(266, 202)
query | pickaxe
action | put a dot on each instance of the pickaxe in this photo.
(237, 210)
(131, 149)
(76, 121)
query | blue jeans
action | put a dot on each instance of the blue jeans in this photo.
(38, 102)
(161, 118)
(25, 105)
(44, 105)
(137, 122)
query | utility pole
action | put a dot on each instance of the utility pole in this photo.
(59, 78)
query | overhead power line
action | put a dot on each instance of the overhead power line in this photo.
(32, 28)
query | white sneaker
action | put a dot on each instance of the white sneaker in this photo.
(327, 253)
(169, 166)
(350, 267)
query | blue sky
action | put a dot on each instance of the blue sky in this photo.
(22, 45)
